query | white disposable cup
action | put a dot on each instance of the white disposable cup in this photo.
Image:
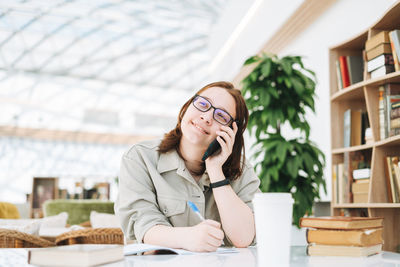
(273, 218)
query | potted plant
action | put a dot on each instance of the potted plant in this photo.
(278, 93)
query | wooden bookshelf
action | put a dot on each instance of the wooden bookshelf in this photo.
(364, 95)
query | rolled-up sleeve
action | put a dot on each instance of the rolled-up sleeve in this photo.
(247, 185)
(136, 205)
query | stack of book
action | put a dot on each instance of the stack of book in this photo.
(351, 178)
(343, 236)
(360, 185)
(379, 55)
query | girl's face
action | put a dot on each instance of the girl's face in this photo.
(200, 127)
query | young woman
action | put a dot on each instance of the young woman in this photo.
(157, 179)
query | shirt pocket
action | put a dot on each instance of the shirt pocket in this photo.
(172, 208)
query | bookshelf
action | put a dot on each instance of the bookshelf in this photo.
(364, 95)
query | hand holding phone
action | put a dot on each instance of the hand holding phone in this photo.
(212, 148)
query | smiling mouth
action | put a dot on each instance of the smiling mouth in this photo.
(199, 128)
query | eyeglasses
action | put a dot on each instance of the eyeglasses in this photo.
(219, 115)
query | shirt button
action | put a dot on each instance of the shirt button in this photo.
(165, 210)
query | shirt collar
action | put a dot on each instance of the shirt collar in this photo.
(168, 161)
(204, 181)
(172, 161)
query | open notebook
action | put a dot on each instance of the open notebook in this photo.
(137, 249)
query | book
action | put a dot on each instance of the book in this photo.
(361, 173)
(360, 186)
(139, 248)
(393, 98)
(346, 128)
(350, 251)
(389, 183)
(347, 179)
(344, 71)
(382, 129)
(379, 61)
(395, 36)
(396, 105)
(360, 197)
(353, 123)
(395, 112)
(371, 261)
(334, 183)
(340, 183)
(76, 255)
(394, 123)
(368, 137)
(356, 132)
(396, 167)
(394, 132)
(374, 41)
(339, 75)
(360, 238)
(395, 57)
(391, 95)
(355, 67)
(381, 71)
(342, 222)
(392, 164)
(379, 50)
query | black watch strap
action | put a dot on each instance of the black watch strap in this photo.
(220, 183)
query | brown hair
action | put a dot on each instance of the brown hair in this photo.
(232, 168)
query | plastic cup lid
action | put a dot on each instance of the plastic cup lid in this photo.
(274, 197)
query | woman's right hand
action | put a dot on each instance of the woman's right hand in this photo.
(206, 236)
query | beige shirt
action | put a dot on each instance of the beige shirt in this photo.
(154, 189)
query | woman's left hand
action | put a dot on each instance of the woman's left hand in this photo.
(226, 138)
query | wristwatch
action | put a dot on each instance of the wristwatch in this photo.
(220, 183)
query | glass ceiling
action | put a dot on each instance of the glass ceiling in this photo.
(110, 67)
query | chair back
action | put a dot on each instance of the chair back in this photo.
(78, 210)
(8, 211)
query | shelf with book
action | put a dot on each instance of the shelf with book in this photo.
(352, 148)
(356, 90)
(389, 142)
(365, 140)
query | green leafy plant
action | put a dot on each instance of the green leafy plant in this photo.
(278, 93)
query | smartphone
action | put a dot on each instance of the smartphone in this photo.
(212, 148)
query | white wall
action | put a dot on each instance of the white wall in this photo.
(261, 26)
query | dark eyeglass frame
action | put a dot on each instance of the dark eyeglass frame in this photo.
(215, 110)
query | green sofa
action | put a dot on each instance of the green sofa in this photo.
(78, 210)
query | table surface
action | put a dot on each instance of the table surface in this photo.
(246, 257)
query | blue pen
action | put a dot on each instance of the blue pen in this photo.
(195, 209)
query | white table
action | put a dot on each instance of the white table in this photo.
(245, 258)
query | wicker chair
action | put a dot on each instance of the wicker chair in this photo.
(16, 239)
(91, 236)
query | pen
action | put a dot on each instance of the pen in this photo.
(195, 209)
